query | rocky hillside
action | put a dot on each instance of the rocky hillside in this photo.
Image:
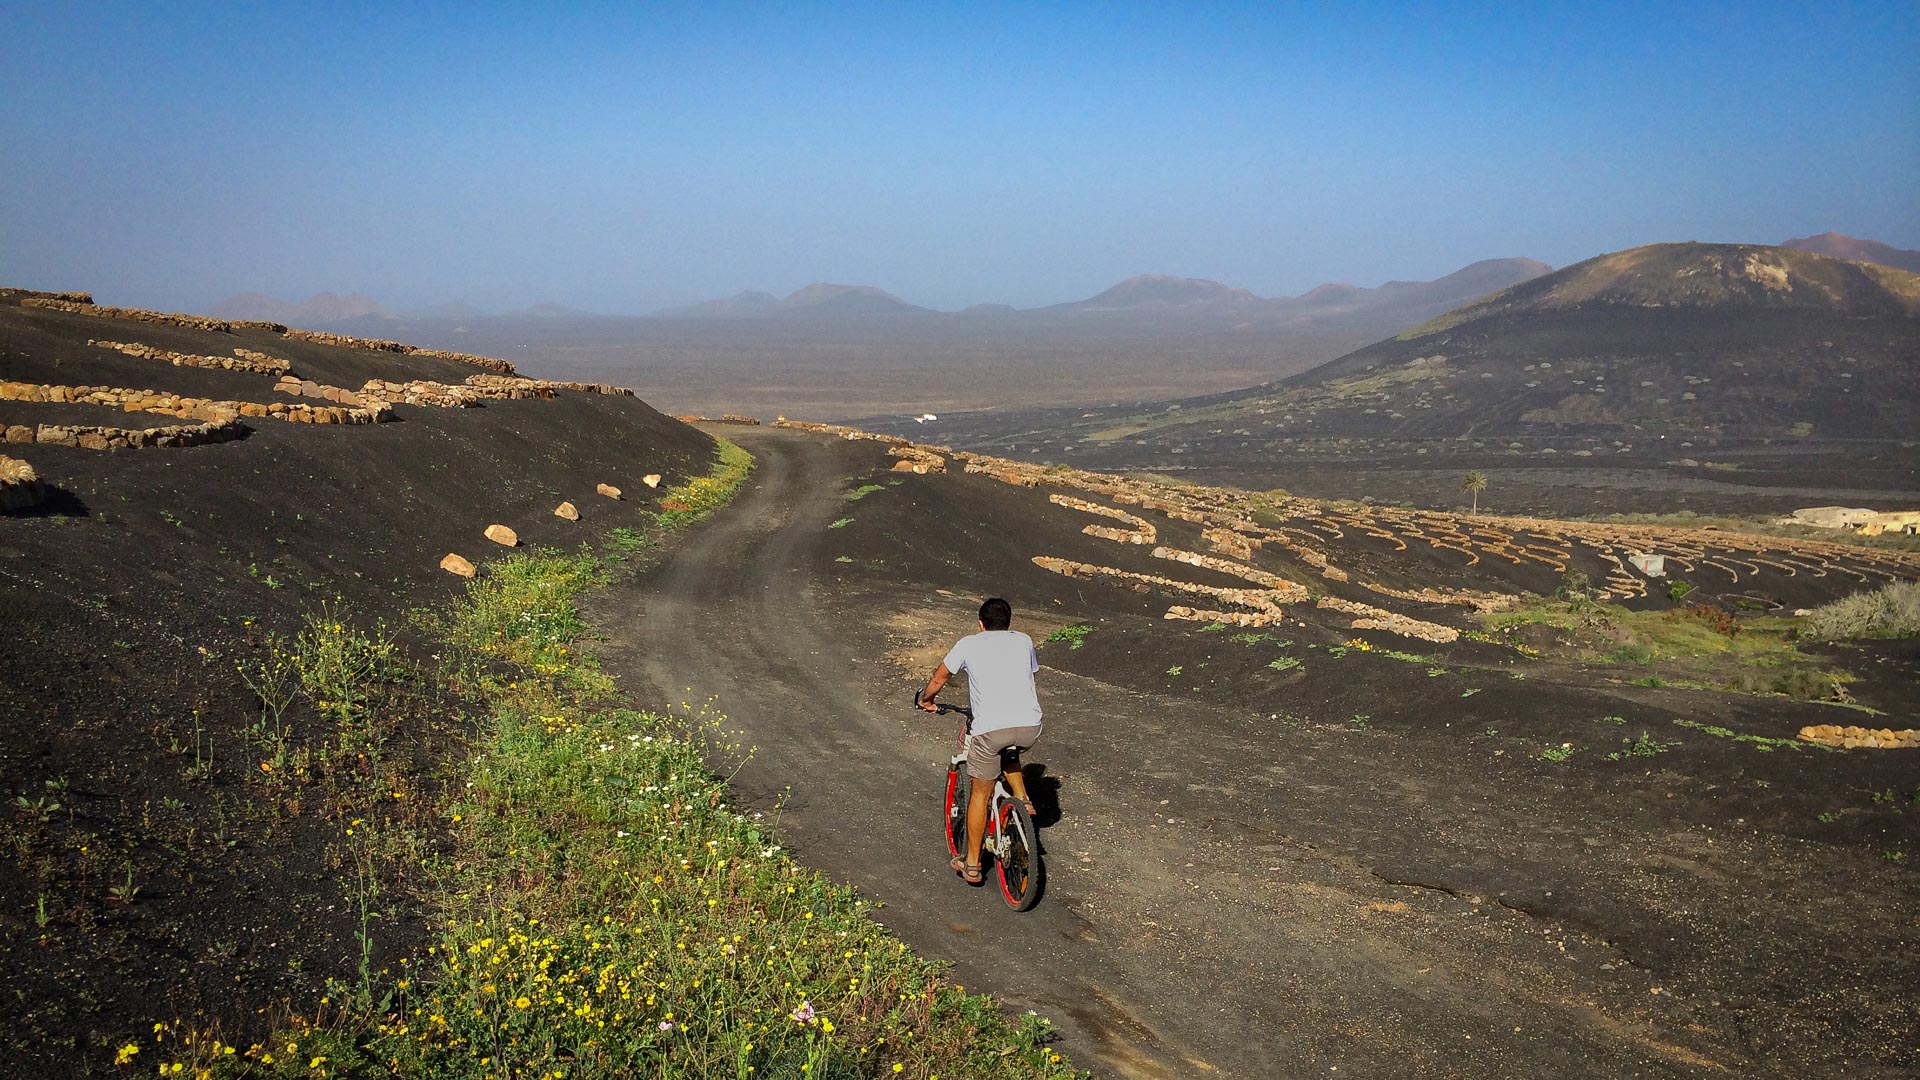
(1669, 356)
(1670, 340)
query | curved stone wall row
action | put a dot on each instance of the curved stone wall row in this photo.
(436, 395)
(1853, 737)
(156, 401)
(244, 359)
(82, 304)
(191, 322)
(516, 382)
(348, 341)
(100, 437)
(754, 421)
(39, 294)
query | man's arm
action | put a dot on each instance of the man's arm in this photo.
(934, 686)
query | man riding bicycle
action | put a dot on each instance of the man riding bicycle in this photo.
(1000, 664)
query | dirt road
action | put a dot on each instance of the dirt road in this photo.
(1216, 904)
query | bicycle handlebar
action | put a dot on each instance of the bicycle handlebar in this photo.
(941, 708)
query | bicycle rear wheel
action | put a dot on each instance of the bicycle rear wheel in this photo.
(1019, 868)
(958, 788)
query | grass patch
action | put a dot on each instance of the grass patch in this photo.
(1284, 663)
(1695, 646)
(1763, 743)
(1644, 746)
(1075, 635)
(628, 541)
(840, 523)
(694, 500)
(863, 491)
(601, 909)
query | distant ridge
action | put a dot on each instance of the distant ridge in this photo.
(1144, 298)
(1161, 291)
(1842, 246)
(817, 300)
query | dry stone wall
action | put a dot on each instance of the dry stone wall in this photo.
(339, 395)
(1853, 737)
(421, 392)
(502, 382)
(37, 294)
(158, 401)
(348, 341)
(82, 304)
(242, 360)
(191, 322)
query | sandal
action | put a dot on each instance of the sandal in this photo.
(969, 872)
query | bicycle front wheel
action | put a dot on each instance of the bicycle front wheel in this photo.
(958, 788)
(1019, 868)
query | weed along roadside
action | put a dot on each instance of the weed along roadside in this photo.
(595, 905)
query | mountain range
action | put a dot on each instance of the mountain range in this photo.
(1147, 298)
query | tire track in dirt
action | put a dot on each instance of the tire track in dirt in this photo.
(732, 617)
(1160, 949)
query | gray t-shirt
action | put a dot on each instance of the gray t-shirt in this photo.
(999, 666)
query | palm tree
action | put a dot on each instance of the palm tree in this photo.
(1475, 483)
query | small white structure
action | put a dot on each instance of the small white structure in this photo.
(1650, 565)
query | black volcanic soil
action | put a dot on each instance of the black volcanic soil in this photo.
(126, 603)
(1358, 863)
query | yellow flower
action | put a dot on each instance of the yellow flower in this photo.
(126, 1054)
(521, 1002)
(897, 1067)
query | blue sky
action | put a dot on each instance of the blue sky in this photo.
(623, 158)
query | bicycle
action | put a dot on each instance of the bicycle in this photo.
(1011, 837)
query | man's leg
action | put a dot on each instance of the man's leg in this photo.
(1016, 779)
(978, 802)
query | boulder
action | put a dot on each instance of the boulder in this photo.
(566, 510)
(454, 564)
(608, 490)
(652, 479)
(19, 433)
(503, 536)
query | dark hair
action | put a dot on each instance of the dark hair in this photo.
(996, 614)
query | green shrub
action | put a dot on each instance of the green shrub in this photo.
(1632, 654)
(1892, 611)
(1075, 635)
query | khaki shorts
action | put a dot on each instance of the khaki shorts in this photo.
(984, 750)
